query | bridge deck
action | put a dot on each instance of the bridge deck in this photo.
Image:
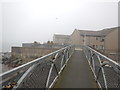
(77, 73)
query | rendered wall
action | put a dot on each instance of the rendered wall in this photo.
(111, 42)
(30, 53)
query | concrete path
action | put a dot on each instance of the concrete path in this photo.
(77, 74)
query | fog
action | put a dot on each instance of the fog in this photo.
(38, 20)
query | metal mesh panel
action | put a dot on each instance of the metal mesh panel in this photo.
(110, 71)
(38, 77)
(15, 78)
(88, 55)
(52, 76)
(65, 58)
(111, 77)
(97, 64)
(101, 79)
(70, 52)
(58, 62)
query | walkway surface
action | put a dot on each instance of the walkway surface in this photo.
(77, 73)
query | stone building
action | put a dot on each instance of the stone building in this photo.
(111, 41)
(61, 39)
(98, 39)
(105, 40)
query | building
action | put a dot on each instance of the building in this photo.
(95, 39)
(111, 41)
(112, 48)
(61, 39)
(105, 40)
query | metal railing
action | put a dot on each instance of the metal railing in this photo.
(39, 73)
(105, 70)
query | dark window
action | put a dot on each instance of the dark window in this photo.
(97, 38)
(96, 46)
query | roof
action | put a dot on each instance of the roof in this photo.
(108, 30)
(61, 36)
(89, 33)
(103, 32)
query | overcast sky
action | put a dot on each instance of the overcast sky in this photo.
(38, 20)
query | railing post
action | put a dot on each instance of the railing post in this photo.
(24, 76)
(31, 66)
(50, 71)
(62, 59)
(103, 73)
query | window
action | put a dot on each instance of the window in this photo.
(96, 46)
(101, 39)
(96, 38)
(101, 47)
(83, 39)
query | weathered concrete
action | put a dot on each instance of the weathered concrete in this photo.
(77, 73)
(30, 53)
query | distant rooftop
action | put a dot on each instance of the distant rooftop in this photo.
(61, 36)
(103, 32)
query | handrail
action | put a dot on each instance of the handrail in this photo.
(30, 63)
(104, 56)
(68, 49)
(105, 70)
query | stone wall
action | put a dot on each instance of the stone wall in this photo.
(37, 45)
(30, 53)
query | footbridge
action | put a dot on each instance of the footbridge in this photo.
(69, 67)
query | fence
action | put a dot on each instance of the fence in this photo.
(40, 73)
(105, 70)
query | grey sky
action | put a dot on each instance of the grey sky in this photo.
(38, 20)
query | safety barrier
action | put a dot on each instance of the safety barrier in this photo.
(105, 70)
(39, 73)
